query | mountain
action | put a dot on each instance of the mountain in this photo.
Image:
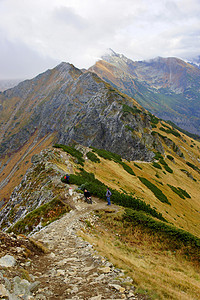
(167, 87)
(65, 105)
(155, 208)
(7, 84)
(74, 106)
(102, 138)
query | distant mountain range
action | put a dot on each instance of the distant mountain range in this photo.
(167, 87)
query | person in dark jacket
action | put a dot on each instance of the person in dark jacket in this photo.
(87, 195)
(66, 178)
(108, 194)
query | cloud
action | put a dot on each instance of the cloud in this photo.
(19, 61)
(80, 31)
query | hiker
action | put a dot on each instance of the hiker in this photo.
(87, 195)
(108, 194)
(66, 178)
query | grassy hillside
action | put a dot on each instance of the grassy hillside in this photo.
(154, 233)
(170, 184)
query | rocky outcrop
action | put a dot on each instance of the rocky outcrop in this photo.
(76, 107)
(41, 184)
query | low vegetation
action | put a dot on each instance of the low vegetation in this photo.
(171, 131)
(162, 260)
(74, 152)
(157, 192)
(97, 188)
(179, 191)
(128, 109)
(93, 157)
(41, 216)
(115, 157)
(193, 166)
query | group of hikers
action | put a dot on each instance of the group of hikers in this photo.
(87, 194)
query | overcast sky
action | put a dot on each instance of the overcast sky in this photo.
(38, 34)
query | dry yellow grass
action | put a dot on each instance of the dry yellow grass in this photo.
(162, 274)
(21, 159)
(183, 213)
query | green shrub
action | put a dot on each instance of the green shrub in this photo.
(179, 191)
(193, 166)
(165, 165)
(177, 237)
(168, 169)
(93, 157)
(127, 168)
(115, 157)
(156, 165)
(97, 188)
(72, 151)
(171, 131)
(137, 166)
(107, 154)
(158, 155)
(154, 120)
(157, 192)
(170, 157)
(129, 109)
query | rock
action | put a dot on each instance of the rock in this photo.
(105, 270)
(3, 291)
(96, 297)
(34, 286)
(52, 255)
(7, 261)
(60, 272)
(117, 287)
(21, 286)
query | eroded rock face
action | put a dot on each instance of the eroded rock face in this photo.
(78, 107)
(40, 185)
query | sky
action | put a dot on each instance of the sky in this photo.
(36, 35)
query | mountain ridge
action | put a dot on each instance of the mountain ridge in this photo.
(167, 87)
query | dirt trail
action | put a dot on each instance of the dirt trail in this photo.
(73, 270)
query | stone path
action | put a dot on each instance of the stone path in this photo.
(73, 270)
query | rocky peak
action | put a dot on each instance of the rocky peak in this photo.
(76, 106)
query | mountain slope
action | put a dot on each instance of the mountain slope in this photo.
(75, 106)
(167, 87)
(130, 239)
(65, 105)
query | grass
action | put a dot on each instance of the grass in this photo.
(97, 188)
(74, 152)
(157, 192)
(92, 157)
(42, 216)
(157, 270)
(179, 191)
